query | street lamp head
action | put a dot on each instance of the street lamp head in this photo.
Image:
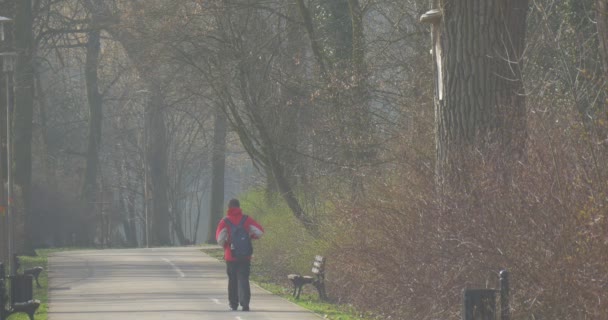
(3, 20)
(8, 61)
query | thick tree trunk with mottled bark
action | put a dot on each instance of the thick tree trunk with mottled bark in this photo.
(480, 101)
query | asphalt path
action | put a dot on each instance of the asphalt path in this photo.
(164, 283)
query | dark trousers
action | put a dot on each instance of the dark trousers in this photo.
(239, 291)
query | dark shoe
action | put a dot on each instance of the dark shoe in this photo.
(246, 308)
(233, 308)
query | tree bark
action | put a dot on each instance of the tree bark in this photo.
(126, 204)
(89, 190)
(218, 163)
(602, 32)
(480, 101)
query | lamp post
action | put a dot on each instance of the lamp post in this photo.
(8, 66)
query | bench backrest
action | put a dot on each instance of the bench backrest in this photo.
(318, 266)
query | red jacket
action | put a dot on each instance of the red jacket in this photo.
(222, 234)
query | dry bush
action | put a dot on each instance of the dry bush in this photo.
(409, 256)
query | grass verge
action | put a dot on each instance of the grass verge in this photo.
(41, 259)
(309, 301)
(41, 293)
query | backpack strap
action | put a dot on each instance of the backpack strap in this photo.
(242, 222)
(226, 220)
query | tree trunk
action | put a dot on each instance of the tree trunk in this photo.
(23, 113)
(157, 158)
(480, 98)
(178, 224)
(156, 131)
(602, 32)
(89, 190)
(126, 205)
(218, 164)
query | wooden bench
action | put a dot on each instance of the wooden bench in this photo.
(21, 289)
(28, 307)
(318, 280)
(34, 272)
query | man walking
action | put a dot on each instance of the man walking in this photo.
(234, 233)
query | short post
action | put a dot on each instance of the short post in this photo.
(505, 308)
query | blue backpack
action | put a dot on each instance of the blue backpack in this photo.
(240, 241)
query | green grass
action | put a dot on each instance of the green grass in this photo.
(41, 259)
(309, 301)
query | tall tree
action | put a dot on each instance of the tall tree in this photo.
(94, 99)
(139, 44)
(480, 100)
(24, 110)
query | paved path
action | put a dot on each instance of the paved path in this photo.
(150, 284)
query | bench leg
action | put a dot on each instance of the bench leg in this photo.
(31, 315)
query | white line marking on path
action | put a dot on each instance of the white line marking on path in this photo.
(175, 268)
